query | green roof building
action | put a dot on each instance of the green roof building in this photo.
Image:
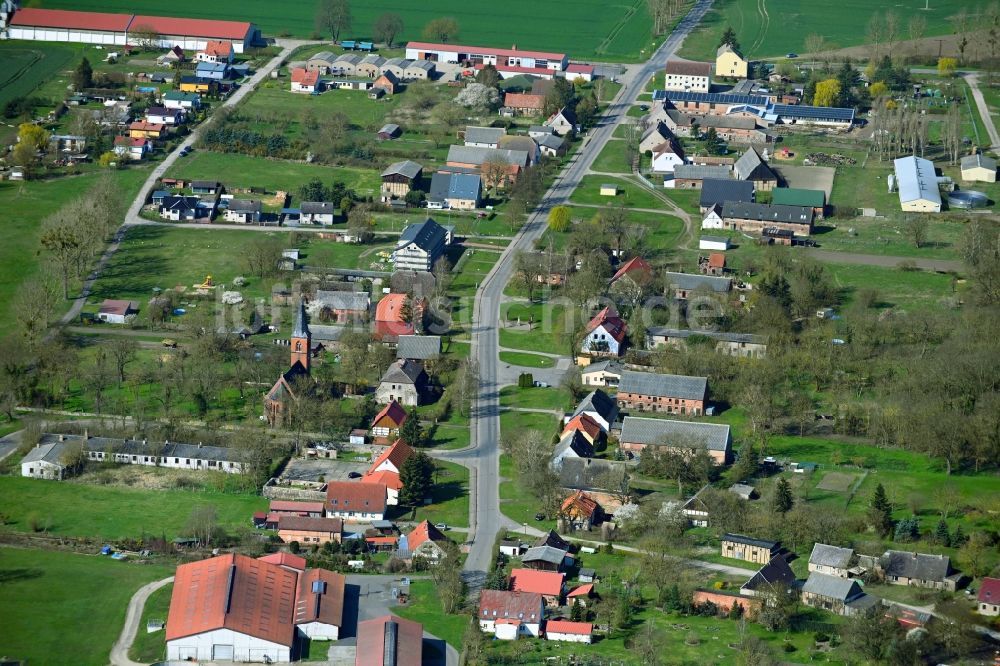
(794, 196)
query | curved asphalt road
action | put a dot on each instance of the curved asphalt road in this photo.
(483, 457)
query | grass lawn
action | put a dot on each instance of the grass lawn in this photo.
(25, 205)
(612, 158)
(895, 287)
(515, 501)
(235, 170)
(30, 65)
(889, 237)
(425, 608)
(527, 360)
(854, 187)
(614, 32)
(147, 647)
(535, 398)
(109, 513)
(762, 28)
(629, 194)
(450, 496)
(56, 604)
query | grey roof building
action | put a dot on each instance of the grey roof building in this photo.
(317, 208)
(484, 136)
(750, 541)
(702, 172)
(598, 404)
(917, 182)
(717, 191)
(912, 566)
(978, 160)
(244, 206)
(355, 301)
(832, 587)
(403, 371)
(52, 452)
(722, 336)
(477, 156)
(830, 557)
(418, 347)
(651, 383)
(456, 189)
(688, 282)
(407, 168)
(572, 445)
(420, 245)
(588, 473)
(773, 213)
(327, 334)
(774, 574)
(752, 167)
(638, 432)
(547, 554)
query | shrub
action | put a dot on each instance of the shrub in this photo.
(294, 547)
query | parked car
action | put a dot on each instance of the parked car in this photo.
(354, 475)
(442, 526)
(791, 55)
(539, 516)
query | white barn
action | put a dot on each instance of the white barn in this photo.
(918, 185)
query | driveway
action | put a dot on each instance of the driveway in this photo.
(885, 261)
(119, 653)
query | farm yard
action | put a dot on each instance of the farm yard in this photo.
(615, 32)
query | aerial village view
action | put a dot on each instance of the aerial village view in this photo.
(653, 333)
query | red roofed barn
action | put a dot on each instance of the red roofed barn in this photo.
(355, 501)
(509, 614)
(389, 641)
(549, 584)
(387, 422)
(235, 608)
(605, 334)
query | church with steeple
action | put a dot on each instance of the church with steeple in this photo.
(278, 400)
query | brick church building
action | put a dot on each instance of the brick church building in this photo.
(277, 402)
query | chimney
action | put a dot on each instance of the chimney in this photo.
(86, 433)
(62, 438)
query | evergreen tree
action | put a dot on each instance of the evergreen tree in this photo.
(907, 529)
(576, 612)
(410, 432)
(729, 37)
(83, 77)
(783, 500)
(416, 477)
(672, 599)
(958, 538)
(496, 580)
(941, 534)
(880, 512)
(735, 612)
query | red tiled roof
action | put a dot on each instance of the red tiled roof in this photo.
(385, 478)
(688, 68)
(577, 68)
(394, 412)
(586, 425)
(218, 48)
(396, 455)
(380, 540)
(568, 627)
(717, 260)
(524, 101)
(582, 503)
(128, 141)
(111, 306)
(422, 533)
(582, 591)
(634, 264)
(320, 597)
(547, 583)
(61, 18)
(372, 636)
(611, 322)
(503, 604)
(989, 591)
(286, 506)
(304, 76)
(285, 560)
(146, 126)
(484, 50)
(233, 592)
(350, 496)
(389, 308)
(168, 26)
(514, 69)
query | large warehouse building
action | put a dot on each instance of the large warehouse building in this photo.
(532, 62)
(58, 25)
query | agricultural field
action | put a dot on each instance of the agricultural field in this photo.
(30, 65)
(761, 26)
(615, 32)
(48, 598)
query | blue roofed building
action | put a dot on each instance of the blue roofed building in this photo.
(462, 191)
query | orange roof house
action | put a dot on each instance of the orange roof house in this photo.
(353, 500)
(388, 421)
(423, 541)
(636, 269)
(549, 584)
(586, 426)
(388, 316)
(524, 102)
(609, 320)
(219, 50)
(304, 79)
(392, 458)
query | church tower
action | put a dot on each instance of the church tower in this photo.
(301, 338)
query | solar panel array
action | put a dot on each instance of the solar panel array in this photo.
(709, 98)
(813, 112)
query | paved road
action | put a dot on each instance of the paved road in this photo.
(485, 518)
(886, 261)
(132, 216)
(119, 653)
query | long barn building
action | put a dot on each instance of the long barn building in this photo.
(59, 25)
(512, 60)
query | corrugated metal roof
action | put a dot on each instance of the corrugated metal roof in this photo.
(916, 180)
(832, 587)
(664, 432)
(651, 383)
